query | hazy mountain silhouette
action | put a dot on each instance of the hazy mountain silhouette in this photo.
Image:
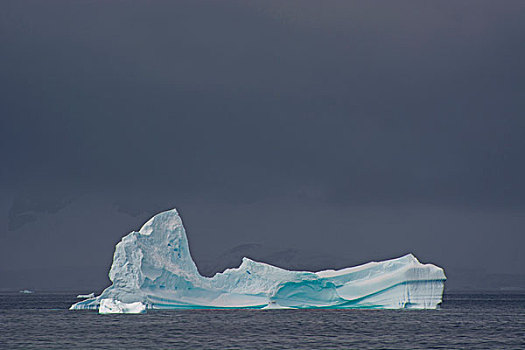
(284, 257)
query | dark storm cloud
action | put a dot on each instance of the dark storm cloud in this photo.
(366, 101)
(349, 103)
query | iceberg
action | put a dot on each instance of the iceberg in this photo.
(153, 269)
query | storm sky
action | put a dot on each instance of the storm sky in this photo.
(367, 129)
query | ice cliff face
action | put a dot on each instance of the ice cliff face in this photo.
(153, 269)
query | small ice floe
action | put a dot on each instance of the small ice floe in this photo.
(111, 306)
(86, 296)
(26, 291)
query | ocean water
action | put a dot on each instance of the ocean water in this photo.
(465, 321)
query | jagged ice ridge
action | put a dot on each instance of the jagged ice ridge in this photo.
(153, 269)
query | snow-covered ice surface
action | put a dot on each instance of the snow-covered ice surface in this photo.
(153, 269)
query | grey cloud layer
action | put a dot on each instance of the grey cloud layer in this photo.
(342, 102)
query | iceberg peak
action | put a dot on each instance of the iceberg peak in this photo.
(153, 269)
(166, 221)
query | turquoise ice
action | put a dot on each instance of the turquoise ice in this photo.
(153, 269)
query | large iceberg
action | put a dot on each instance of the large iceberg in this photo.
(153, 269)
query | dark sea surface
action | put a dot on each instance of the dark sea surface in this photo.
(465, 321)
